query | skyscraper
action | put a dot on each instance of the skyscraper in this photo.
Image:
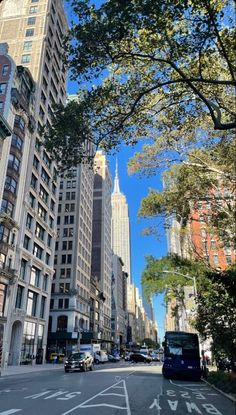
(34, 32)
(121, 226)
(101, 241)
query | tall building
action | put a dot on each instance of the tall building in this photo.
(121, 226)
(101, 241)
(70, 294)
(119, 303)
(33, 31)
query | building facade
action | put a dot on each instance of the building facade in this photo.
(101, 241)
(34, 34)
(119, 304)
(70, 294)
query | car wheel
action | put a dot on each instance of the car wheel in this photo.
(66, 370)
(84, 368)
(96, 361)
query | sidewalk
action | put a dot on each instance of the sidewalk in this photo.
(23, 369)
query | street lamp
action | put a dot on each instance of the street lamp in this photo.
(185, 276)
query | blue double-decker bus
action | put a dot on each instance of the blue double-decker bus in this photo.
(181, 355)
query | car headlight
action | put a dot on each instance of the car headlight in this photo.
(66, 361)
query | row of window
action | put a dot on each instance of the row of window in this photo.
(32, 302)
(37, 250)
(62, 303)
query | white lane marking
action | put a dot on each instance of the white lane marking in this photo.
(37, 395)
(10, 411)
(84, 404)
(113, 394)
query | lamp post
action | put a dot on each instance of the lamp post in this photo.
(194, 286)
(185, 276)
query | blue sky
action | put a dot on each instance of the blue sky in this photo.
(135, 189)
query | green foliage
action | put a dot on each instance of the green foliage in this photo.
(155, 281)
(164, 69)
(150, 343)
(223, 381)
(216, 316)
(206, 175)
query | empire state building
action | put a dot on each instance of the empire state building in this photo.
(121, 226)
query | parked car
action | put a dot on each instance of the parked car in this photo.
(79, 361)
(100, 357)
(113, 358)
(139, 357)
(127, 356)
(155, 357)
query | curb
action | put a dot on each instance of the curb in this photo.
(220, 391)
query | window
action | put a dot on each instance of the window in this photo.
(64, 245)
(29, 221)
(37, 251)
(31, 303)
(52, 205)
(3, 292)
(31, 21)
(42, 307)
(34, 181)
(31, 200)
(51, 222)
(62, 323)
(16, 141)
(4, 234)
(1, 106)
(45, 176)
(39, 231)
(29, 32)
(46, 159)
(36, 163)
(19, 296)
(47, 258)
(35, 276)
(25, 58)
(213, 244)
(42, 212)
(23, 269)
(3, 88)
(27, 45)
(53, 288)
(51, 304)
(37, 145)
(7, 207)
(43, 194)
(10, 184)
(19, 122)
(45, 282)
(72, 195)
(60, 303)
(13, 162)
(5, 70)
(49, 242)
(33, 9)
(216, 259)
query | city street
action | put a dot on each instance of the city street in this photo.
(113, 388)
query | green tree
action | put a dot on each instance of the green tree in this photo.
(159, 65)
(216, 317)
(206, 175)
(150, 343)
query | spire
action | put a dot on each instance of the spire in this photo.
(116, 182)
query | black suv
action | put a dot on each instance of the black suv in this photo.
(79, 361)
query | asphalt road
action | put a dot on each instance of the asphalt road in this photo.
(111, 389)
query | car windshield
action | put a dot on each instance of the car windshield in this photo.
(76, 356)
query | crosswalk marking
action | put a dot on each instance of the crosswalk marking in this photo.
(10, 411)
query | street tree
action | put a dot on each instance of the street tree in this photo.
(207, 175)
(216, 317)
(145, 68)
